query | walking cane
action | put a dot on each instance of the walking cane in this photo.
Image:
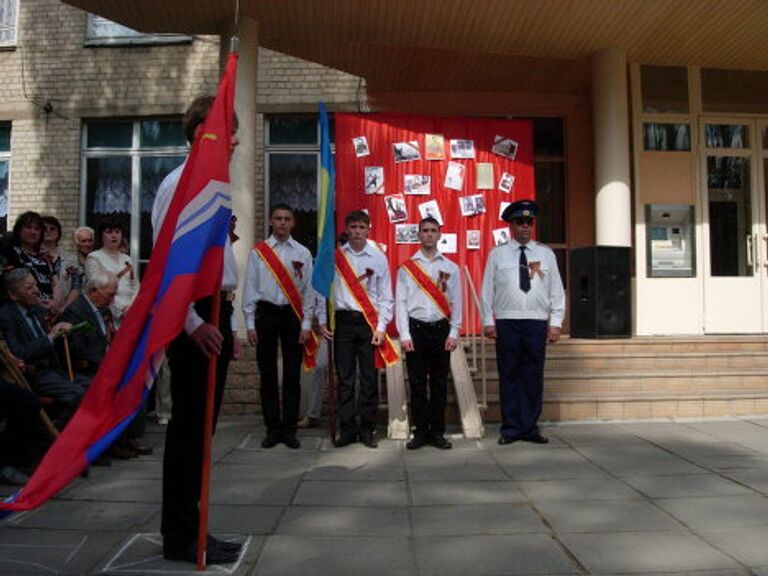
(68, 357)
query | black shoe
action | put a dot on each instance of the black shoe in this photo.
(535, 439)
(270, 441)
(416, 443)
(188, 553)
(368, 440)
(223, 545)
(11, 476)
(504, 440)
(441, 442)
(291, 441)
(345, 440)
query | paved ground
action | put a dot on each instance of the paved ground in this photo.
(687, 497)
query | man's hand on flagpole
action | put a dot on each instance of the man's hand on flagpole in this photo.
(325, 332)
(378, 338)
(237, 348)
(253, 338)
(208, 338)
(305, 336)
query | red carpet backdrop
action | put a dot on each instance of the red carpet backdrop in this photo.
(463, 171)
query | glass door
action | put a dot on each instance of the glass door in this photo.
(733, 198)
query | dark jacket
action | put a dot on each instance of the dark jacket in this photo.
(86, 347)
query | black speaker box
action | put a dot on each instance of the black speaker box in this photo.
(600, 292)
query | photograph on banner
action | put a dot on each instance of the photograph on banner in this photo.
(505, 147)
(448, 243)
(454, 176)
(416, 184)
(502, 207)
(431, 209)
(463, 149)
(484, 176)
(396, 210)
(473, 239)
(406, 233)
(374, 180)
(406, 151)
(435, 147)
(507, 182)
(500, 236)
(361, 146)
(472, 205)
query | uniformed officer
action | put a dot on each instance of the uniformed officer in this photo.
(523, 308)
(428, 314)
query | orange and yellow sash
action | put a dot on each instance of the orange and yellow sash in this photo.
(288, 286)
(428, 286)
(386, 354)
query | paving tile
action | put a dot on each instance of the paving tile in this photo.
(332, 493)
(548, 464)
(606, 516)
(746, 544)
(268, 463)
(755, 479)
(357, 466)
(578, 489)
(511, 554)
(465, 492)
(76, 515)
(242, 489)
(345, 521)
(285, 555)
(718, 511)
(685, 485)
(593, 434)
(645, 552)
(119, 489)
(454, 469)
(476, 520)
(637, 460)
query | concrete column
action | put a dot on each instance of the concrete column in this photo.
(243, 166)
(613, 213)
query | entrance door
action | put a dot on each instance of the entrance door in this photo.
(733, 206)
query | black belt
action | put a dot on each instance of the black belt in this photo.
(350, 314)
(268, 306)
(427, 325)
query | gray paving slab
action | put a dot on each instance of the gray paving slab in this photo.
(79, 515)
(242, 489)
(755, 479)
(642, 552)
(545, 464)
(637, 460)
(718, 511)
(357, 466)
(262, 466)
(745, 543)
(685, 485)
(333, 493)
(285, 555)
(465, 492)
(119, 489)
(581, 434)
(453, 469)
(477, 520)
(487, 555)
(578, 489)
(345, 521)
(606, 516)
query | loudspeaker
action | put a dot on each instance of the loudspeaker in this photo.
(600, 294)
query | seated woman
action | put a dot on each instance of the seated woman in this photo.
(110, 258)
(24, 252)
(65, 265)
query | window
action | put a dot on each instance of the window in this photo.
(124, 162)
(664, 89)
(8, 17)
(100, 31)
(5, 168)
(662, 137)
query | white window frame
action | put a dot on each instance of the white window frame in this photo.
(136, 154)
(5, 156)
(115, 34)
(10, 11)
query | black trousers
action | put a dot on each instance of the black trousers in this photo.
(353, 355)
(182, 461)
(20, 409)
(521, 347)
(428, 367)
(279, 324)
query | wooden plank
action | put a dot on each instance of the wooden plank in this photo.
(471, 423)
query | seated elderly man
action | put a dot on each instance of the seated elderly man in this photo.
(22, 322)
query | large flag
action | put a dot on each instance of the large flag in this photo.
(323, 272)
(186, 265)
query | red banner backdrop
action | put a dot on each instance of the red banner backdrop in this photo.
(401, 168)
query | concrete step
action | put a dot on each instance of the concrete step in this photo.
(640, 362)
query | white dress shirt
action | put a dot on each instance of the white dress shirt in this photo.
(501, 294)
(378, 285)
(260, 283)
(411, 301)
(159, 209)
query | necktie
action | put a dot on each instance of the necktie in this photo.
(109, 323)
(525, 278)
(36, 328)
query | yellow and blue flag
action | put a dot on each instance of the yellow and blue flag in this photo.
(323, 272)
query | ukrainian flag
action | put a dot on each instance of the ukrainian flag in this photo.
(323, 272)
